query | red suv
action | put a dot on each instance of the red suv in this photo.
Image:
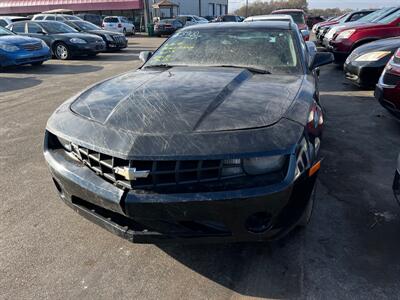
(299, 17)
(349, 38)
(388, 89)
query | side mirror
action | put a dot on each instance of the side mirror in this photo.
(321, 59)
(144, 56)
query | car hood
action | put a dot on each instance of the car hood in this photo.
(187, 99)
(17, 39)
(103, 32)
(390, 44)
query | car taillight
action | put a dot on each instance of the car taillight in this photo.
(315, 120)
(119, 25)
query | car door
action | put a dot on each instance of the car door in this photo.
(37, 31)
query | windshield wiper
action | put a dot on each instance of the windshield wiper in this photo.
(251, 69)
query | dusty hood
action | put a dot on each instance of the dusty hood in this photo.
(184, 100)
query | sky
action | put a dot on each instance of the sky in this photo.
(354, 4)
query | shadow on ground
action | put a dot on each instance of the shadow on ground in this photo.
(53, 69)
(13, 84)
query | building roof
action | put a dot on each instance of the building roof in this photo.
(35, 6)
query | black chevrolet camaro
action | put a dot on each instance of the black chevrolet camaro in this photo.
(215, 138)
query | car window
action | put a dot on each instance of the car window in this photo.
(3, 23)
(111, 20)
(189, 19)
(262, 48)
(58, 18)
(19, 27)
(4, 31)
(34, 28)
(57, 27)
(390, 18)
(39, 18)
(50, 18)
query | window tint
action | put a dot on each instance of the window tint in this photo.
(3, 23)
(111, 20)
(59, 18)
(19, 27)
(39, 18)
(34, 28)
(50, 18)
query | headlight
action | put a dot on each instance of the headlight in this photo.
(44, 45)
(8, 48)
(108, 37)
(373, 56)
(262, 165)
(65, 144)
(345, 34)
(77, 41)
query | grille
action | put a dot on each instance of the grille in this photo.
(391, 79)
(119, 39)
(162, 174)
(32, 47)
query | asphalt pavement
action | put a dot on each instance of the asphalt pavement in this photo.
(47, 251)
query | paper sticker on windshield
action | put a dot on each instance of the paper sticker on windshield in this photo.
(188, 34)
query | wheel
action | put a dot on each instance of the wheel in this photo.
(61, 51)
(38, 63)
(305, 219)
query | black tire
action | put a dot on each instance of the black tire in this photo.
(37, 64)
(305, 219)
(61, 51)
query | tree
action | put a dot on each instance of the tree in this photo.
(266, 7)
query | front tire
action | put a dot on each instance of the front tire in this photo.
(61, 51)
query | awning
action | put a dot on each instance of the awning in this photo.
(36, 6)
(165, 4)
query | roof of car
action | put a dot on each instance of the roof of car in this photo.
(288, 10)
(276, 17)
(284, 25)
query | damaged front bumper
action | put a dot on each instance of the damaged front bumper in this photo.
(250, 214)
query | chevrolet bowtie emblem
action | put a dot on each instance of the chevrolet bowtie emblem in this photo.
(131, 173)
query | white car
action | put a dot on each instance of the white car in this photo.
(118, 24)
(7, 20)
(275, 17)
(55, 17)
(188, 20)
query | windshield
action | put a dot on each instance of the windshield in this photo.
(71, 18)
(265, 49)
(57, 27)
(86, 25)
(4, 31)
(390, 18)
(374, 15)
(111, 20)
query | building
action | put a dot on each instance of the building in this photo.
(133, 9)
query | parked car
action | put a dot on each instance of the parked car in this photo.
(388, 88)
(396, 182)
(352, 17)
(348, 39)
(92, 18)
(64, 41)
(317, 26)
(55, 17)
(167, 26)
(188, 20)
(369, 18)
(299, 17)
(365, 64)
(312, 20)
(197, 144)
(19, 50)
(228, 18)
(320, 27)
(285, 18)
(113, 40)
(118, 24)
(7, 20)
